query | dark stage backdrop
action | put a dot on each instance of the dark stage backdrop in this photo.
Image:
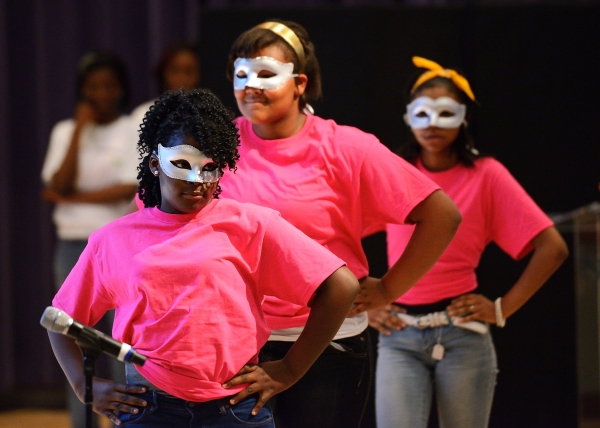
(533, 69)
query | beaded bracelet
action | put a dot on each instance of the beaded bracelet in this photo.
(500, 321)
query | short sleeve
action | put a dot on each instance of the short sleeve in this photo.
(82, 295)
(130, 156)
(390, 188)
(514, 217)
(292, 265)
(60, 138)
(137, 114)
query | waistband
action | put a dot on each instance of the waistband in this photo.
(438, 306)
(437, 319)
(161, 400)
(134, 377)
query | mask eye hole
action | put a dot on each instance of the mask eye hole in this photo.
(447, 113)
(181, 163)
(241, 75)
(211, 166)
(421, 114)
(265, 74)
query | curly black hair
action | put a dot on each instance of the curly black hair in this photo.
(198, 114)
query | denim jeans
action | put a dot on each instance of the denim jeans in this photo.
(164, 411)
(335, 390)
(65, 257)
(407, 376)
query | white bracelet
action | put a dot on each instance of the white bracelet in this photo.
(500, 321)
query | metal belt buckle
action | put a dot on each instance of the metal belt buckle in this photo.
(422, 322)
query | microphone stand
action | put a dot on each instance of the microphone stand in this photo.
(91, 348)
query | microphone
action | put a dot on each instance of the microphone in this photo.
(58, 321)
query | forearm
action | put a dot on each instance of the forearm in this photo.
(549, 253)
(70, 360)
(437, 220)
(110, 194)
(329, 309)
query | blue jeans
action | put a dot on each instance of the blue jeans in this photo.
(407, 376)
(333, 393)
(66, 255)
(165, 411)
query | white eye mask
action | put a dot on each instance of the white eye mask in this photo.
(443, 112)
(249, 68)
(187, 157)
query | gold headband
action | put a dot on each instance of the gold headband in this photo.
(286, 34)
(436, 70)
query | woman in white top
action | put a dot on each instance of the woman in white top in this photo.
(90, 168)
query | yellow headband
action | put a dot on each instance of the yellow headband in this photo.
(288, 35)
(436, 70)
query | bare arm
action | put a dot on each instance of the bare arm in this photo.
(436, 219)
(108, 396)
(330, 306)
(63, 180)
(107, 195)
(550, 251)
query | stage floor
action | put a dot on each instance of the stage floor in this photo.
(42, 418)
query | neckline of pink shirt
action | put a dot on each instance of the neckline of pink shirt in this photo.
(182, 218)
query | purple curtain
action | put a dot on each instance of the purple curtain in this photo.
(41, 43)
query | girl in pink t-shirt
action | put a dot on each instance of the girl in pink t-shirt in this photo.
(436, 339)
(187, 276)
(337, 184)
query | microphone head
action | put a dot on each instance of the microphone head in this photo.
(56, 320)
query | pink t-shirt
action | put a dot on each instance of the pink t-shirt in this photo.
(335, 183)
(494, 208)
(188, 288)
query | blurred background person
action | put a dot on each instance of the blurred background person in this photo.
(177, 67)
(90, 168)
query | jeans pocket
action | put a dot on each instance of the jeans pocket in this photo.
(241, 413)
(356, 346)
(340, 347)
(131, 418)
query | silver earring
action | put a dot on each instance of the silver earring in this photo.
(473, 150)
(156, 173)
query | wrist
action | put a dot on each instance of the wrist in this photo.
(291, 373)
(385, 290)
(500, 320)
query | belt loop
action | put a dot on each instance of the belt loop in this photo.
(154, 406)
(448, 317)
(224, 405)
